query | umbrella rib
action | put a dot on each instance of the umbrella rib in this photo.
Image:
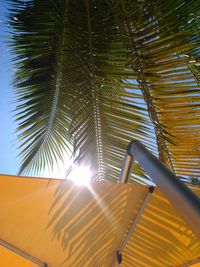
(22, 253)
(144, 204)
(135, 222)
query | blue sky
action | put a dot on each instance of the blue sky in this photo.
(8, 144)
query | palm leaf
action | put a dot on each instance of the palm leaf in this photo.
(157, 43)
(84, 69)
(89, 90)
(42, 111)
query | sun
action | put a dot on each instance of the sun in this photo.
(80, 175)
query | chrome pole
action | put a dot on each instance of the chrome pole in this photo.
(186, 202)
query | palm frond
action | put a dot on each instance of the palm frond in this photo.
(103, 101)
(156, 42)
(42, 112)
(78, 63)
(81, 68)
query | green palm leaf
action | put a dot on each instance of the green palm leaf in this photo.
(157, 38)
(93, 75)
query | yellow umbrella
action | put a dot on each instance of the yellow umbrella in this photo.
(88, 225)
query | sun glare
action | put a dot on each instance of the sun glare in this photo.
(80, 175)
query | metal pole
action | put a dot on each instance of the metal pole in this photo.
(126, 169)
(186, 202)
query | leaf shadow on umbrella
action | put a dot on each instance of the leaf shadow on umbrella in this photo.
(90, 222)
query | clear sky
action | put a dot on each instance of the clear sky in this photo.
(8, 144)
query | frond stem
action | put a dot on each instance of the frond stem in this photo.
(95, 100)
(138, 68)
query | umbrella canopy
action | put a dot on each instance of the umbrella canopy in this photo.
(52, 222)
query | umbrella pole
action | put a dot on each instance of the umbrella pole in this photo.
(181, 197)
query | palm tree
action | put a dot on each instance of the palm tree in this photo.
(91, 75)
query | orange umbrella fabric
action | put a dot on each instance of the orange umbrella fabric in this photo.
(52, 222)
